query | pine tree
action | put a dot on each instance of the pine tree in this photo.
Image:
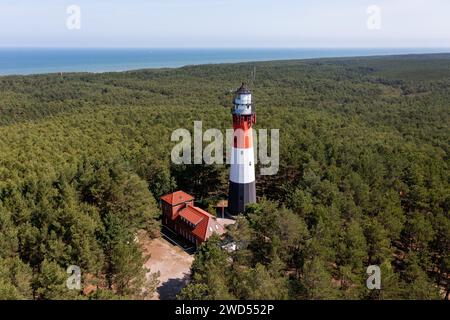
(15, 279)
(209, 279)
(317, 282)
(418, 285)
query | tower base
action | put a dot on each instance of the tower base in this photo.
(239, 195)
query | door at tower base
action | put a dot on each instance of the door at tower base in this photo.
(239, 195)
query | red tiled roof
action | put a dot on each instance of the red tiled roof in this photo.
(207, 225)
(192, 215)
(200, 229)
(204, 224)
(177, 198)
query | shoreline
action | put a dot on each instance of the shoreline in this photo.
(139, 66)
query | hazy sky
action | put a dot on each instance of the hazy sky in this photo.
(226, 23)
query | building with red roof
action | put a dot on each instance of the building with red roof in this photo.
(185, 219)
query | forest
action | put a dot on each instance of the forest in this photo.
(364, 179)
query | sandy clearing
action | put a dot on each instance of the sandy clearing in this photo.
(172, 262)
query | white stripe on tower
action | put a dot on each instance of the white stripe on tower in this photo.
(242, 165)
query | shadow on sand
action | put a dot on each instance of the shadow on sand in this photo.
(169, 289)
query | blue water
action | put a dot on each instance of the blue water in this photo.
(49, 60)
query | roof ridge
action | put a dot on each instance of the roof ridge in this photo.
(200, 210)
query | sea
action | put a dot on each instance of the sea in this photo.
(23, 61)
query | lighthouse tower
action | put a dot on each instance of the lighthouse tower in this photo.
(242, 190)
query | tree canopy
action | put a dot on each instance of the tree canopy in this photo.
(364, 179)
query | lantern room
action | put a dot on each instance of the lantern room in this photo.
(243, 101)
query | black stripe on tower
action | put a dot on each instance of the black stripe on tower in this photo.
(239, 195)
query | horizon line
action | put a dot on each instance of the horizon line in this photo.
(224, 47)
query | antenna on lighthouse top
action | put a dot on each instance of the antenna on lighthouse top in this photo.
(253, 77)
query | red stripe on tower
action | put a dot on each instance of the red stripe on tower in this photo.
(242, 190)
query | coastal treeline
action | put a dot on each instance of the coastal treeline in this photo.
(363, 179)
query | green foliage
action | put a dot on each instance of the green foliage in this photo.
(15, 279)
(208, 274)
(88, 217)
(50, 283)
(316, 282)
(363, 179)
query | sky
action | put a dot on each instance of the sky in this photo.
(225, 23)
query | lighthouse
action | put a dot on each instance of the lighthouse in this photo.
(242, 189)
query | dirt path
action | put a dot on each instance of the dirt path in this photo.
(173, 264)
